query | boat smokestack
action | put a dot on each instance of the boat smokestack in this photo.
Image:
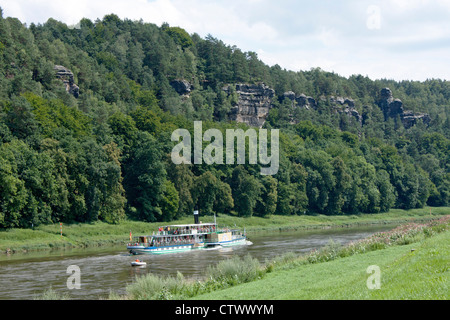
(196, 216)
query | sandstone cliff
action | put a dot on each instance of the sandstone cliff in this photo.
(345, 106)
(253, 105)
(301, 101)
(66, 76)
(255, 100)
(392, 107)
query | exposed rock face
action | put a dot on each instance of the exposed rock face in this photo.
(66, 77)
(351, 112)
(410, 118)
(181, 86)
(289, 95)
(346, 106)
(342, 101)
(302, 100)
(392, 107)
(254, 102)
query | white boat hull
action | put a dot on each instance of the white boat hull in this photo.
(183, 248)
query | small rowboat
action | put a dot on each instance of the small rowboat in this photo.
(138, 263)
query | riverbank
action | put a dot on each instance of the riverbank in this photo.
(415, 271)
(408, 262)
(80, 235)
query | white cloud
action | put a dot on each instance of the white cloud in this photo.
(406, 5)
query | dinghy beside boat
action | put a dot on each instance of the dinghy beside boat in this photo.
(138, 263)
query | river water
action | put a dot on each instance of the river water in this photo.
(101, 270)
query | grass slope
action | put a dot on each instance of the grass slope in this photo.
(405, 274)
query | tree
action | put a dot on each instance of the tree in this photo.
(267, 204)
(169, 202)
(343, 181)
(224, 200)
(205, 191)
(320, 181)
(179, 35)
(387, 191)
(144, 179)
(298, 178)
(124, 128)
(147, 120)
(183, 180)
(20, 119)
(286, 198)
(12, 190)
(113, 204)
(246, 191)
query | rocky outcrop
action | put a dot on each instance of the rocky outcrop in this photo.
(301, 101)
(346, 106)
(342, 101)
(338, 104)
(410, 118)
(66, 76)
(351, 113)
(181, 86)
(394, 107)
(390, 107)
(253, 104)
(255, 100)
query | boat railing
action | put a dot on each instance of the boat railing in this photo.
(188, 231)
(163, 243)
(172, 242)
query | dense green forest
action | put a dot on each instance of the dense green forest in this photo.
(104, 152)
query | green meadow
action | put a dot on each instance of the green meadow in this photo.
(414, 271)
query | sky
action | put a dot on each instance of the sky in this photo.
(390, 39)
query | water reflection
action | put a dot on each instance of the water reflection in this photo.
(23, 276)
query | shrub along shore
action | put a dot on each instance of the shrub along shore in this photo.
(48, 237)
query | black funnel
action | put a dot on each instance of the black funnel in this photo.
(196, 215)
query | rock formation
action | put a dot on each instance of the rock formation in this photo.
(255, 100)
(392, 107)
(410, 118)
(253, 105)
(181, 86)
(346, 106)
(301, 100)
(66, 76)
(342, 101)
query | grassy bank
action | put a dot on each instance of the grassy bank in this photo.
(418, 270)
(413, 260)
(103, 234)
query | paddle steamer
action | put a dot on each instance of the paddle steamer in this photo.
(185, 237)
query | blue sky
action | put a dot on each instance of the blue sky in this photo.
(393, 39)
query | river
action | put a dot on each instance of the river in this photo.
(101, 270)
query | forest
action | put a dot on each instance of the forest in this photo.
(97, 146)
